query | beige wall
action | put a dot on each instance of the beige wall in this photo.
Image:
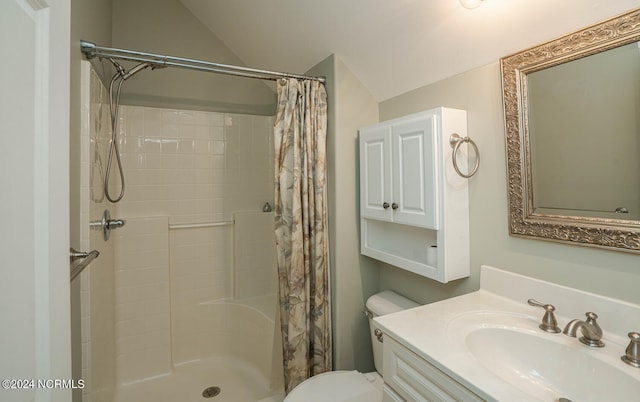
(167, 27)
(610, 273)
(353, 277)
(356, 277)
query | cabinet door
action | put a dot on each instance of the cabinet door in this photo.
(375, 173)
(414, 379)
(415, 189)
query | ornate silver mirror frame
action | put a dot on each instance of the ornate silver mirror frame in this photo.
(618, 234)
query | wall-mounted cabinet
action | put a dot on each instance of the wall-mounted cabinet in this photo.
(397, 171)
(414, 210)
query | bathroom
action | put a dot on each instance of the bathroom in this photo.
(129, 24)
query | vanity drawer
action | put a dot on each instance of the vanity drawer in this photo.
(416, 380)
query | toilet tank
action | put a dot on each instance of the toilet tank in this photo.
(385, 302)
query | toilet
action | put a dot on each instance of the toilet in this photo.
(353, 386)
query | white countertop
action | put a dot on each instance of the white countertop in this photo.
(435, 333)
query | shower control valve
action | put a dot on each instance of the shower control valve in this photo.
(107, 224)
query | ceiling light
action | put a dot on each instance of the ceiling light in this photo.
(470, 3)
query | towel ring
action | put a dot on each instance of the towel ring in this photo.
(455, 141)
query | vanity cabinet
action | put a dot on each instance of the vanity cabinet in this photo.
(413, 206)
(409, 378)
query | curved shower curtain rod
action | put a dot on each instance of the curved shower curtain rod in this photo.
(92, 50)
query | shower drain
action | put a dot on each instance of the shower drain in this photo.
(211, 392)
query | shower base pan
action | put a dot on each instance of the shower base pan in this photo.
(237, 382)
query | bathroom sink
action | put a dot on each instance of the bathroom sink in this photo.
(490, 343)
(545, 366)
(540, 366)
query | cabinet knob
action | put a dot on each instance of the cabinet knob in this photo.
(385, 205)
(394, 206)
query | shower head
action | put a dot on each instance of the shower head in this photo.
(135, 70)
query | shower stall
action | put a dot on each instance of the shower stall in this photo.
(181, 304)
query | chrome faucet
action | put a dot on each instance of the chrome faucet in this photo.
(591, 331)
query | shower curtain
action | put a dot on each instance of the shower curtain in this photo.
(300, 132)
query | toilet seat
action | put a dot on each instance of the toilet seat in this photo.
(339, 386)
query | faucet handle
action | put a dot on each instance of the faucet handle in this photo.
(632, 354)
(591, 317)
(549, 323)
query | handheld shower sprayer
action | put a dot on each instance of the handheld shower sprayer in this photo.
(114, 105)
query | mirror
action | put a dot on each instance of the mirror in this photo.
(570, 129)
(572, 119)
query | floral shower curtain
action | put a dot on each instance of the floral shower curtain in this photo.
(302, 243)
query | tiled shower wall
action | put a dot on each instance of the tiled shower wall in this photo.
(97, 288)
(194, 166)
(186, 167)
(143, 320)
(181, 167)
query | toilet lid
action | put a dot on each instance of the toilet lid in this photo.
(336, 386)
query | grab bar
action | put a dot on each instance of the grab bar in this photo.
(75, 255)
(177, 226)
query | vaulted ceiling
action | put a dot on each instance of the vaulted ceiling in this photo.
(393, 46)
